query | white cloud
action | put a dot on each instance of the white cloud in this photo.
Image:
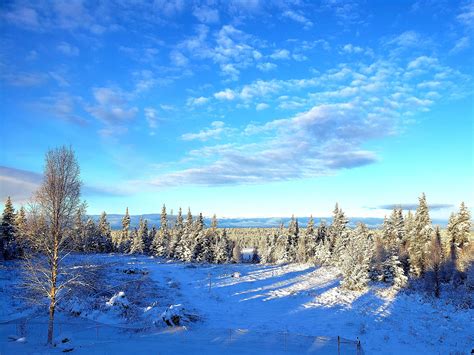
(461, 44)
(197, 101)
(24, 79)
(261, 106)
(349, 48)
(23, 16)
(178, 58)
(466, 16)
(112, 109)
(206, 15)
(298, 17)
(267, 66)
(226, 94)
(422, 62)
(169, 8)
(151, 116)
(280, 54)
(68, 49)
(215, 131)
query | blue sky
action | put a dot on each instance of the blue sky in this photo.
(242, 108)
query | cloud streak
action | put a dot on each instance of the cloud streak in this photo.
(21, 186)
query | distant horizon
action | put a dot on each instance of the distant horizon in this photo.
(248, 222)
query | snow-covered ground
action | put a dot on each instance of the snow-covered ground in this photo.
(245, 309)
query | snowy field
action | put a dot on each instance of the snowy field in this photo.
(244, 309)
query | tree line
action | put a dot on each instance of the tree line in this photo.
(406, 246)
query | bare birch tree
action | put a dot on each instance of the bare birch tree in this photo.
(52, 215)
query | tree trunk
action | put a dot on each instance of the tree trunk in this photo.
(54, 275)
(51, 322)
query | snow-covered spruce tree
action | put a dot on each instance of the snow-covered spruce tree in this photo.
(459, 227)
(283, 245)
(78, 233)
(21, 236)
(213, 236)
(302, 249)
(199, 240)
(322, 251)
(162, 239)
(207, 247)
(395, 274)
(149, 241)
(399, 225)
(105, 234)
(124, 244)
(267, 251)
(419, 236)
(137, 245)
(176, 247)
(409, 222)
(387, 232)
(322, 254)
(310, 235)
(187, 240)
(8, 244)
(338, 235)
(293, 235)
(138, 242)
(223, 249)
(92, 237)
(355, 261)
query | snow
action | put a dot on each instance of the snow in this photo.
(277, 309)
(119, 300)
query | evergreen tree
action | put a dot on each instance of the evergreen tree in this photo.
(125, 234)
(105, 234)
(137, 246)
(214, 237)
(148, 243)
(175, 236)
(200, 245)
(338, 235)
(21, 224)
(78, 233)
(142, 236)
(161, 243)
(420, 235)
(223, 249)
(188, 238)
(8, 244)
(91, 237)
(292, 240)
(178, 240)
(459, 227)
(355, 261)
(282, 252)
(395, 273)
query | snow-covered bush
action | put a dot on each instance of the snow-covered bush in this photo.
(173, 315)
(118, 300)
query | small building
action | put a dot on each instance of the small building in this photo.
(249, 255)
